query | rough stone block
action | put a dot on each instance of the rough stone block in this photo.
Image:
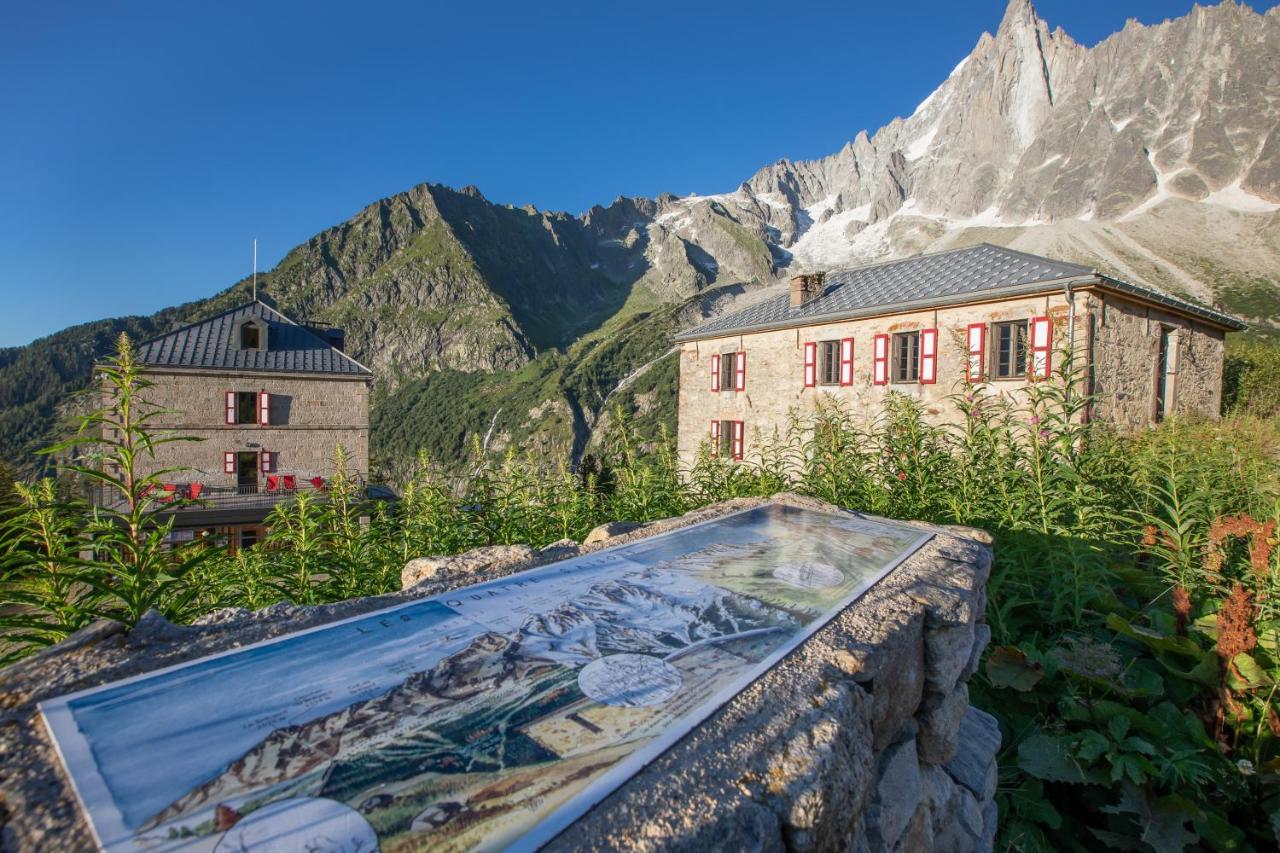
(897, 793)
(981, 639)
(561, 549)
(990, 821)
(939, 720)
(947, 651)
(894, 676)
(467, 563)
(610, 530)
(974, 761)
(823, 768)
(957, 816)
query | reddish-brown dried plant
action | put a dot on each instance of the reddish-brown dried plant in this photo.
(1235, 624)
(1181, 608)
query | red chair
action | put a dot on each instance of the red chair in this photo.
(170, 492)
(194, 490)
(290, 482)
(317, 482)
(273, 483)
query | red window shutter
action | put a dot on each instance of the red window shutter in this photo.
(977, 340)
(265, 459)
(231, 407)
(715, 438)
(928, 356)
(810, 365)
(846, 361)
(715, 373)
(264, 408)
(737, 440)
(1041, 346)
(229, 462)
(740, 372)
(880, 360)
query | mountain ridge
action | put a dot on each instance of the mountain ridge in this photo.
(1153, 155)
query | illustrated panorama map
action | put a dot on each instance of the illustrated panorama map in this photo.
(489, 717)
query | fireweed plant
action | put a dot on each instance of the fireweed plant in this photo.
(1134, 602)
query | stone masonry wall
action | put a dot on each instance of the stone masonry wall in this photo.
(1127, 343)
(310, 416)
(1125, 358)
(861, 739)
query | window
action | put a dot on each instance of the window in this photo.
(725, 448)
(250, 336)
(829, 363)
(727, 439)
(1009, 355)
(728, 370)
(906, 357)
(246, 407)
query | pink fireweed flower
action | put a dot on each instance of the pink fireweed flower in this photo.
(902, 475)
(1035, 419)
(1044, 435)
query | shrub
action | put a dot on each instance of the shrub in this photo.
(1134, 601)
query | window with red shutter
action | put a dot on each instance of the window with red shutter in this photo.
(264, 408)
(880, 360)
(231, 407)
(928, 356)
(1041, 344)
(740, 372)
(977, 344)
(715, 438)
(846, 361)
(737, 440)
(229, 462)
(715, 372)
(810, 364)
(266, 459)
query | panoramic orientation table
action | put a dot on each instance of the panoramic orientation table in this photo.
(490, 716)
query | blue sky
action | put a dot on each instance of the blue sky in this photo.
(146, 144)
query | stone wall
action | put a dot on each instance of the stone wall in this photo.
(310, 416)
(1124, 351)
(1127, 343)
(862, 738)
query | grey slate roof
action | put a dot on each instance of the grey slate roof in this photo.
(291, 347)
(924, 281)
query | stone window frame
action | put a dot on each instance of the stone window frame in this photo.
(904, 371)
(1021, 367)
(831, 362)
(728, 364)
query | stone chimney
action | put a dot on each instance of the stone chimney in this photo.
(806, 288)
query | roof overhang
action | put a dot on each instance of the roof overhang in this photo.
(1049, 286)
(246, 372)
(1212, 317)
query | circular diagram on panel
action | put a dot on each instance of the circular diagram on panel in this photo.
(313, 824)
(809, 575)
(629, 680)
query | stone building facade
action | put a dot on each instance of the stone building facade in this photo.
(928, 326)
(268, 400)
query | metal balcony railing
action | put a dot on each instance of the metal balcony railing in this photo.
(187, 497)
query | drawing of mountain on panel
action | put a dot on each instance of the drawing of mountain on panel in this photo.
(441, 749)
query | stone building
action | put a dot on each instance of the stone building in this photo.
(926, 325)
(269, 399)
